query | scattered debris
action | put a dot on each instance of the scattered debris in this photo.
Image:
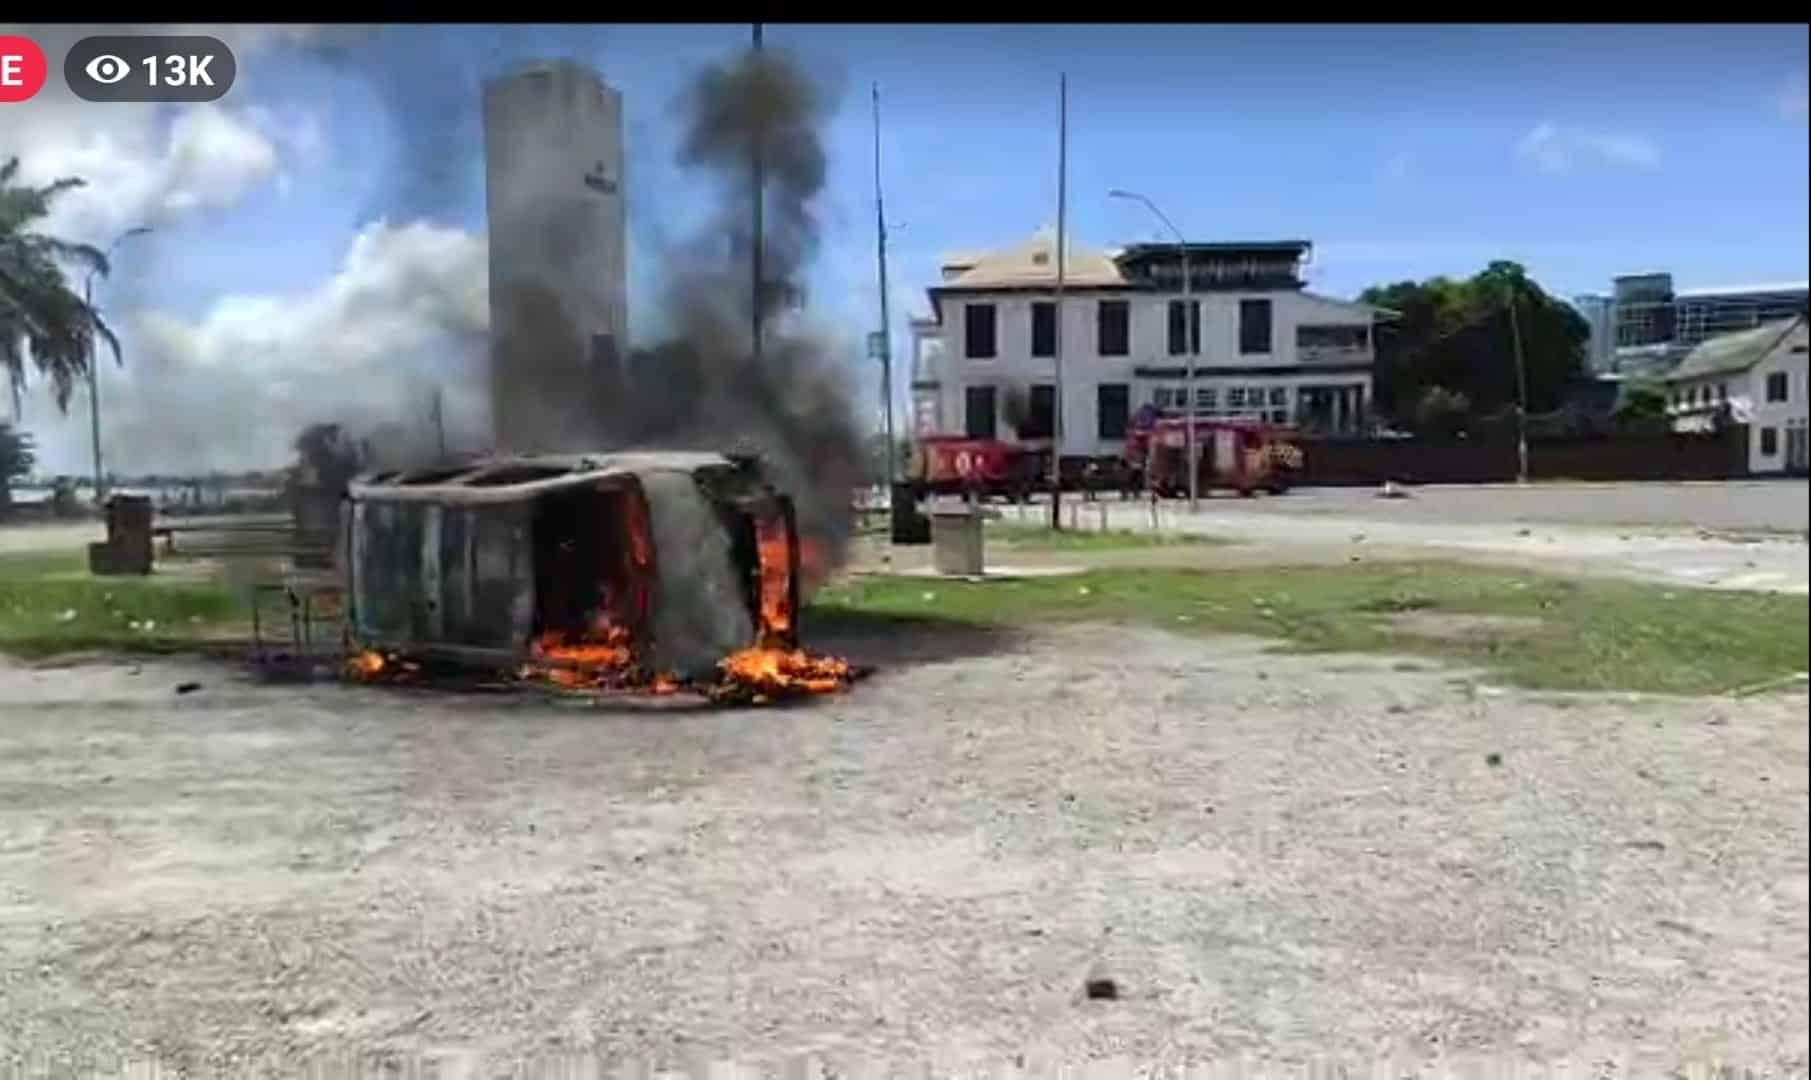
(1645, 845)
(187, 687)
(1493, 758)
(1524, 532)
(1101, 988)
(1391, 490)
(67, 615)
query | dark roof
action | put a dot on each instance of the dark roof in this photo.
(1133, 252)
(1736, 352)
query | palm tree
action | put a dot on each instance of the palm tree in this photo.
(42, 319)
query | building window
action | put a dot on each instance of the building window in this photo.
(978, 327)
(1043, 328)
(1722, 391)
(1235, 398)
(1163, 397)
(1177, 346)
(980, 417)
(1040, 414)
(1207, 400)
(1254, 326)
(1112, 409)
(1115, 328)
(1776, 387)
(1279, 395)
(1770, 441)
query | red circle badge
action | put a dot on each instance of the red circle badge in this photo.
(22, 68)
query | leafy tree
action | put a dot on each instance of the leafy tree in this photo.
(1642, 408)
(1440, 411)
(43, 321)
(17, 457)
(1457, 335)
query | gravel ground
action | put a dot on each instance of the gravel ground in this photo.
(1270, 855)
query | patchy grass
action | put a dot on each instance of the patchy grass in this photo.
(50, 604)
(1027, 537)
(1573, 634)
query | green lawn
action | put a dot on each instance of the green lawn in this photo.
(1573, 634)
(50, 604)
(1028, 537)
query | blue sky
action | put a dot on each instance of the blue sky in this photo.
(1400, 151)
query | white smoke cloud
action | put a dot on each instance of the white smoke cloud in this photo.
(404, 313)
(145, 163)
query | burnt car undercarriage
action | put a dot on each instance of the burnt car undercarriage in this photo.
(615, 571)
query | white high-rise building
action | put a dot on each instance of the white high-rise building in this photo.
(553, 152)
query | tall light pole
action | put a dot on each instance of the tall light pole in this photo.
(886, 327)
(1521, 394)
(1062, 269)
(1190, 323)
(94, 379)
(759, 178)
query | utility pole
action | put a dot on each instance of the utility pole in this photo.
(94, 392)
(760, 199)
(1191, 324)
(1521, 394)
(1062, 255)
(886, 327)
(94, 378)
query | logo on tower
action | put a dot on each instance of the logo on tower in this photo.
(600, 179)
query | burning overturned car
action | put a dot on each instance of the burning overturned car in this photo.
(645, 571)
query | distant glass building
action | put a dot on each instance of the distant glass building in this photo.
(1644, 326)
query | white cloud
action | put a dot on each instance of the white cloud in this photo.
(406, 311)
(1397, 168)
(146, 163)
(1555, 150)
(1793, 98)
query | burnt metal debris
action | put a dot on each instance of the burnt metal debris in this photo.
(476, 562)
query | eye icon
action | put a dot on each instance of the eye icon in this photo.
(107, 69)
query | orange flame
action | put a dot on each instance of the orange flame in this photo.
(368, 664)
(772, 669)
(602, 657)
(764, 674)
(775, 553)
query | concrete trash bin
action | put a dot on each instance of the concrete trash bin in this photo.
(956, 542)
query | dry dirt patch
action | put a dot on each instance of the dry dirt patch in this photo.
(1449, 624)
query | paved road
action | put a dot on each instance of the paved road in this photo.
(1742, 543)
(1759, 504)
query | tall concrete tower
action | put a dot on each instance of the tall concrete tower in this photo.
(553, 162)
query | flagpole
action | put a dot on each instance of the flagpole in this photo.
(1062, 256)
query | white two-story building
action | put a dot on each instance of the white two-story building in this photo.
(984, 362)
(1758, 377)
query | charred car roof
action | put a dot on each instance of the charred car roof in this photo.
(497, 479)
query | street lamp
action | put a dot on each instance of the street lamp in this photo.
(1189, 323)
(94, 380)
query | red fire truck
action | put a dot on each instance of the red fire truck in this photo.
(1245, 456)
(958, 465)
